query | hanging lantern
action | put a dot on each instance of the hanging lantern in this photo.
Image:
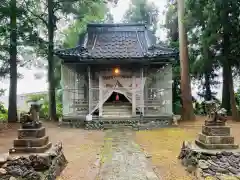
(116, 71)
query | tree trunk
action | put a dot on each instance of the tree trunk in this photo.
(51, 79)
(187, 111)
(208, 92)
(225, 89)
(228, 97)
(12, 107)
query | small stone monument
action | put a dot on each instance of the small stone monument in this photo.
(32, 135)
(215, 134)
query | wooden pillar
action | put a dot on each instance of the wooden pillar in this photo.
(75, 90)
(133, 95)
(89, 90)
(67, 86)
(146, 89)
(64, 93)
(100, 95)
(142, 92)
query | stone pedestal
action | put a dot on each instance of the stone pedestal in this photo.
(31, 140)
(215, 135)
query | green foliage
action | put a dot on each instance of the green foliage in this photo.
(3, 110)
(79, 27)
(212, 35)
(44, 111)
(27, 32)
(237, 97)
(3, 113)
(36, 97)
(142, 11)
(213, 29)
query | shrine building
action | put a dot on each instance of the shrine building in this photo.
(117, 71)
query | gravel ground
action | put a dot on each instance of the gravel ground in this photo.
(81, 149)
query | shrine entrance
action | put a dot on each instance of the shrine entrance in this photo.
(117, 98)
(117, 105)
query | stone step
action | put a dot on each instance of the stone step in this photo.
(116, 126)
(116, 103)
(216, 130)
(31, 133)
(215, 139)
(30, 149)
(117, 113)
(216, 146)
(117, 107)
(119, 119)
(37, 142)
(115, 116)
(119, 110)
(212, 123)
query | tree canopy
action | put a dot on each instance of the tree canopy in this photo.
(142, 11)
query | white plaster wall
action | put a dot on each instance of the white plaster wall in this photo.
(162, 86)
(64, 82)
(166, 85)
(73, 90)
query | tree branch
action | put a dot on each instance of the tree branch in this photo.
(39, 16)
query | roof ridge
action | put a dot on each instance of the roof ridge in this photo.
(114, 24)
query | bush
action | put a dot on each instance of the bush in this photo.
(3, 113)
(3, 117)
(45, 105)
(45, 108)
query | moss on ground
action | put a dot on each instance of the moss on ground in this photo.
(164, 146)
(106, 151)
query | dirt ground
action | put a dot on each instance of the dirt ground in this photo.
(164, 146)
(81, 149)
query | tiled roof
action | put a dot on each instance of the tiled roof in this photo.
(117, 41)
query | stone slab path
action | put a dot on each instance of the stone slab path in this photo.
(122, 158)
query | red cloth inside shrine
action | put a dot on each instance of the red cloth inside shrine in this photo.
(117, 97)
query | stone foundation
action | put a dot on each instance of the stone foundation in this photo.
(216, 146)
(31, 140)
(215, 135)
(137, 123)
(216, 130)
(134, 124)
(44, 166)
(221, 164)
(36, 133)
